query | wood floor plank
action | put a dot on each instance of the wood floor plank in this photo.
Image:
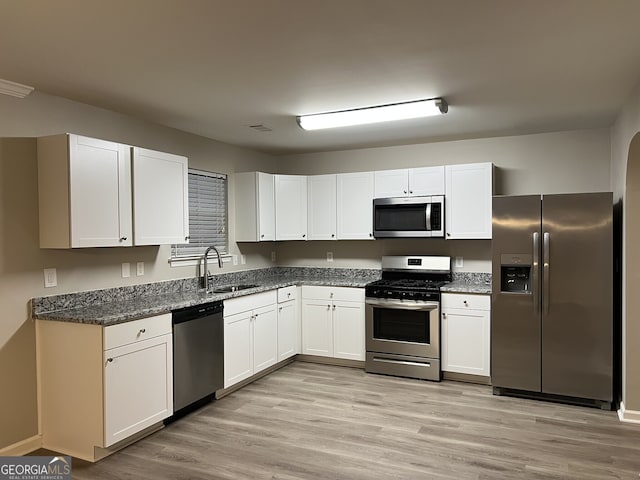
(309, 421)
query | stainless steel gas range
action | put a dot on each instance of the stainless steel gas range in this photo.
(403, 317)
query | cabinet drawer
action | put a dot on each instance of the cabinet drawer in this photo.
(347, 294)
(287, 293)
(249, 302)
(466, 301)
(136, 331)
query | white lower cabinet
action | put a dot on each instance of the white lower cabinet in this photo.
(333, 322)
(101, 386)
(466, 328)
(250, 336)
(288, 323)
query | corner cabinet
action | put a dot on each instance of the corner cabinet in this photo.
(469, 189)
(291, 207)
(250, 336)
(333, 322)
(466, 333)
(160, 197)
(103, 387)
(255, 207)
(96, 193)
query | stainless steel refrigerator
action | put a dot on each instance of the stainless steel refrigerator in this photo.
(552, 311)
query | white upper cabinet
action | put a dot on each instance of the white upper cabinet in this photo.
(321, 207)
(291, 207)
(255, 207)
(469, 189)
(95, 193)
(84, 188)
(160, 198)
(426, 181)
(409, 182)
(355, 206)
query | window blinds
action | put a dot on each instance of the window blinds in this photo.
(207, 214)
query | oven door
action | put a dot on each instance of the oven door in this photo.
(403, 327)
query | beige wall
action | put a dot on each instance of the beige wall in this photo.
(625, 181)
(22, 261)
(564, 162)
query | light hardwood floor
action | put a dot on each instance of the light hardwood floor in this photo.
(309, 421)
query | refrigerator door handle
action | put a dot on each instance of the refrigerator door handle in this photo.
(536, 281)
(545, 277)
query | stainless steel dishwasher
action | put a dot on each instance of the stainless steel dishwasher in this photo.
(198, 355)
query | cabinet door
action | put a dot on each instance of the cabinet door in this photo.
(317, 329)
(348, 330)
(469, 189)
(466, 342)
(355, 206)
(238, 348)
(426, 181)
(265, 338)
(100, 193)
(266, 207)
(138, 387)
(288, 330)
(391, 183)
(291, 207)
(321, 207)
(160, 198)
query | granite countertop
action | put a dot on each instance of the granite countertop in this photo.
(100, 312)
(464, 286)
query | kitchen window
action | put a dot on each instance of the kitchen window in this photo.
(207, 217)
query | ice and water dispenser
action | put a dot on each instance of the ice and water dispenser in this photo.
(515, 273)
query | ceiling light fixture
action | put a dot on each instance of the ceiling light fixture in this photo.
(380, 113)
(14, 89)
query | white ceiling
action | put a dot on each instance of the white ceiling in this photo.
(213, 67)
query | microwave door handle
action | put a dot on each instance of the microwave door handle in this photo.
(429, 216)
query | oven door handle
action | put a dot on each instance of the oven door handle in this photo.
(402, 304)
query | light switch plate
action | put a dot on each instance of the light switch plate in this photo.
(50, 278)
(273, 256)
(126, 270)
(234, 259)
(243, 259)
(140, 269)
(459, 262)
(329, 256)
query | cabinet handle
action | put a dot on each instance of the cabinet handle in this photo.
(143, 330)
(448, 234)
(333, 235)
(334, 307)
(304, 235)
(331, 295)
(465, 302)
(123, 239)
(444, 315)
(280, 309)
(187, 237)
(255, 316)
(289, 294)
(262, 236)
(411, 192)
(371, 234)
(328, 307)
(405, 192)
(109, 360)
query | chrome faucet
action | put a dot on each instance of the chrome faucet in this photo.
(206, 266)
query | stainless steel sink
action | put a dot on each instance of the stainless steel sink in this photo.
(232, 288)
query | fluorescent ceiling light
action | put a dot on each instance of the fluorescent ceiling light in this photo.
(14, 89)
(381, 113)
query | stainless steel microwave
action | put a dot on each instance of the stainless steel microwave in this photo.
(408, 217)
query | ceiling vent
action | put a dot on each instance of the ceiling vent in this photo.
(259, 127)
(14, 89)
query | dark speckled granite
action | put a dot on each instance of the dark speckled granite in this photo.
(469, 282)
(122, 304)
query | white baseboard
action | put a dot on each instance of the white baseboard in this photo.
(23, 447)
(629, 416)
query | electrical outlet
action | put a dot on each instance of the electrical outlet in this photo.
(273, 256)
(459, 262)
(140, 269)
(243, 259)
(329, 256)
(234, 259)
(50, 278)
(126, 270)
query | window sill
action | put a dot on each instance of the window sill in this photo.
(192, 261)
